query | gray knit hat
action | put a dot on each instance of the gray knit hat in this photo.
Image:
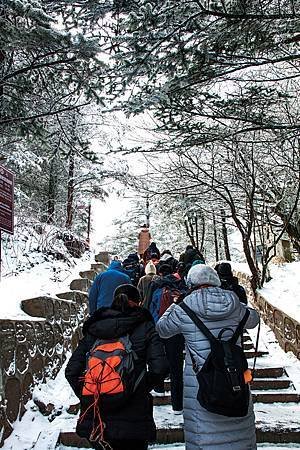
(201, 274)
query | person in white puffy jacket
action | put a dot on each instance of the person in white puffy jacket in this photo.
(218, 309)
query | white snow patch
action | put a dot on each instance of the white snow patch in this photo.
(283, 291)
(47, 278)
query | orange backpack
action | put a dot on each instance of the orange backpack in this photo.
(109, 378)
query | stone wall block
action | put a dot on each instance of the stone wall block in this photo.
(289, 330)
(8, 347)
(278, 321)
(30, 339)
(13, 398)
(65, 311)
(49, 339)
(269, 309)
(39, 334)
(22, 359)
(103, 257)
(32, 351)
(298, 335)
(89, 274)
(57, 312)
(37, 367)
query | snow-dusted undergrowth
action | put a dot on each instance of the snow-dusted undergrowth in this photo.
(35, 261)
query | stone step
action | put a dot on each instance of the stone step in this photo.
(251, 354)
(89, 274)
(99, 267)
(81, 284)
(272, 397)
(258, 397)
(257, 384)
(266, 372)
(262, 384)
(174, 435)
(248, 346)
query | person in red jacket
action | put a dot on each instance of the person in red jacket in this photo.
(144, 240)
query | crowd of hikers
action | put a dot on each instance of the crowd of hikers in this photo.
(154, 317)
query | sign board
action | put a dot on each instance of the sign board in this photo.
(6, 200)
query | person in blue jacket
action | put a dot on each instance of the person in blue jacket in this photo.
(102, 290)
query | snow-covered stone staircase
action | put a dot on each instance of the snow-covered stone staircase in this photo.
(276, 406)
(275, 392)
(275, 396)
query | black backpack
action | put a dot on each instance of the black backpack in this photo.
(222, 387)
(132, 269)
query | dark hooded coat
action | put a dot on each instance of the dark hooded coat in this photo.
(135, 420)
(169, 281)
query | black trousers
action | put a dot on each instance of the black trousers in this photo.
(124, 444)
(174, 350)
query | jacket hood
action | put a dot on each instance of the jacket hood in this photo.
(115, 265)
(166, 257)
(213, 303)
(107, 323)
(169, 281)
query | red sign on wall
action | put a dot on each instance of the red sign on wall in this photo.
(6, 200)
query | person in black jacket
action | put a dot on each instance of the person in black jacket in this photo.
(132, 426)
(174, 346)
(229, 282)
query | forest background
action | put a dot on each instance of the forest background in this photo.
(216, 84)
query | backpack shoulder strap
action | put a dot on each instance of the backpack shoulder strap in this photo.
(240, 327)
(197, 322)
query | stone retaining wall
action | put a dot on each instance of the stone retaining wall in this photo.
(285, 328)
(32, 350)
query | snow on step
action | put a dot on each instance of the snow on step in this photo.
(182, 447)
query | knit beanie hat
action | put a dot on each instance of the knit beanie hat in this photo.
(201, 274)
(150, 269)
(198, 261)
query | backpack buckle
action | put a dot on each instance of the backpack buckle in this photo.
(234, 379)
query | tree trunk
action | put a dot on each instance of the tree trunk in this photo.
(52, 188)
(202, 234)
(147, 212)
(190, 232)
(70, 198)
(255, 280)
(225, 236)
(216, 238)
(197, 232)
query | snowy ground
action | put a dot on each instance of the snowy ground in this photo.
(283, 290)
(47, 278)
